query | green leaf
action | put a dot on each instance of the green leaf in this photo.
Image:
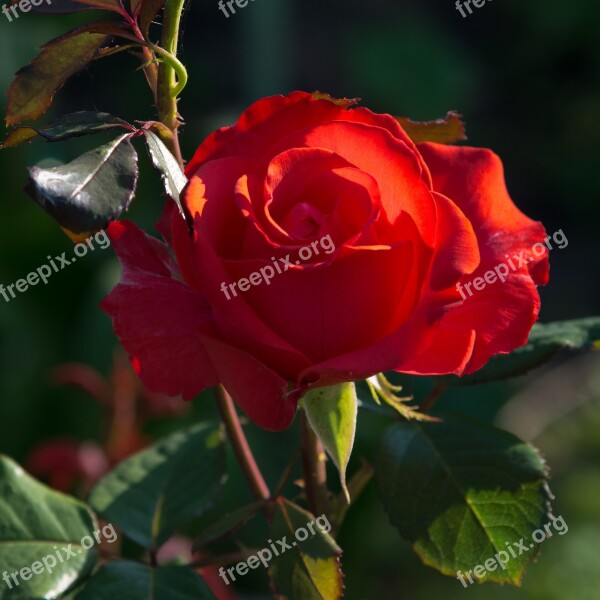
(172, 175)
(38, 524)
(545, 342)
(331, 412)
(310, 569)
(89, 192)
(31, 92)
(133, 581)
(227, 525)
(157, 490)
(69, 126)
(447, 130)
(462, 492)
(72, 595)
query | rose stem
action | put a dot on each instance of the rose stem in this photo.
(433, 397)
(240, 445)
(167, 109)
(315, 470)
(167, 80)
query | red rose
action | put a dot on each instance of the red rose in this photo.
(391, 226)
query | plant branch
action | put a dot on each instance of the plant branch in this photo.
(169, 69)
(287, 473)
(150, 70)
(177, 66)
(315, 470)
(240, 445)
(434, 396)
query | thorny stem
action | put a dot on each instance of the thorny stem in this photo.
(172, 78)
(150, 70)
(240, 445)
(171, 74)
(315, 470)
(177, 66)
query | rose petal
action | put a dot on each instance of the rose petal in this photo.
(445, 335)
(307, 186)
(322, 310)
(237, 321)
(263, 395)
(423, 346)
(456, 248)
(393, 165)
(157, 318)
(270, 119)
(502, 315)
(473, 178)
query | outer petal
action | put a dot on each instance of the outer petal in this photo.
(210, 199)
(448, 334)
(262, 393)
(425, 345)
(157, 318)
(502, 315)
(459, 340)
(257, 118)
(456, 251)
(239, 324)
(270, 119)
(473, 178)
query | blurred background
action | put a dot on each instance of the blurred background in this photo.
(525, 75)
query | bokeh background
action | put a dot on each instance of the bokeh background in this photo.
(525, 75)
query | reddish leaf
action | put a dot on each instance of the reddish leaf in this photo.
(71, 6)
(103, 4)
(148, 12)
(85, 378)
(113, 28)
(31, 92)
(64, 463)
(18, 136)
(66, 127)
(216, 584)
(341, 102)
(447, 130)
(135, 6)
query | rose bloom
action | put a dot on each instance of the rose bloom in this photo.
(391, 227)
